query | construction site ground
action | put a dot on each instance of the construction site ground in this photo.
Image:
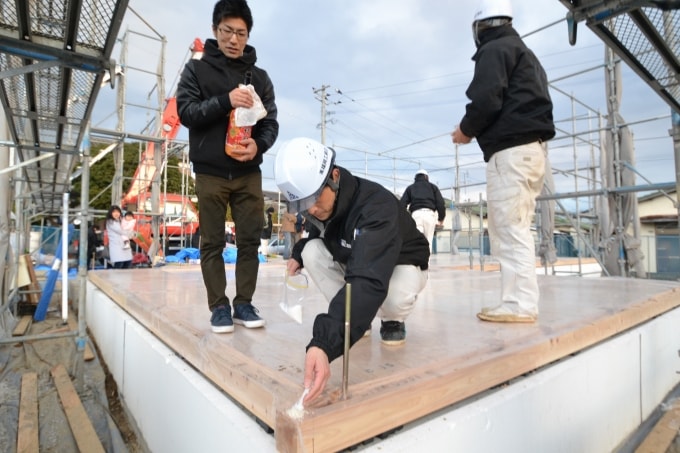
(97, 391)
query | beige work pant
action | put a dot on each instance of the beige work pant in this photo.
(514, 178)
(426, 220)
(406, 283)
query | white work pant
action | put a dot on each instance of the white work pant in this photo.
(426, 220)
(514, 178)
(264, 246)
(329, 276)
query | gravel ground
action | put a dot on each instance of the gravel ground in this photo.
(40, 356)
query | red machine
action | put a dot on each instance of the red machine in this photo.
(180, 214)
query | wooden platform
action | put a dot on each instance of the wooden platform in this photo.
(449, 355)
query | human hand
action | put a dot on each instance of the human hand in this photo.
(247, 151)
(317, 373)
(293, 267)
(458, 137)
(241, 97)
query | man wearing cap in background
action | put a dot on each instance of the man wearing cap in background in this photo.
(359, 235)
(510, 114)
(425, 203)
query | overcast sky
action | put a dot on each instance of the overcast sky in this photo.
(396, 75)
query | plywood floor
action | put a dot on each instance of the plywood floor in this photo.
(449, 355)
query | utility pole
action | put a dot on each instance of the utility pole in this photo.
(322, 96)
(455, 220)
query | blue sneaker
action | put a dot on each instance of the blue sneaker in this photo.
(246, 315)
(220, 321)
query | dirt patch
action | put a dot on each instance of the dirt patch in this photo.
(97, 391)
(119, 413)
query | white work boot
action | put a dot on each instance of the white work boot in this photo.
(506, 312)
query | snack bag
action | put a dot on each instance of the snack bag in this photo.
(241, 121)
(235, 134)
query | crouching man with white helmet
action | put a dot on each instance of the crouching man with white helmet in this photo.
(358, 234)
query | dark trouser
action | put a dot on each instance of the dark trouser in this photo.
(122, 264)
(244, 196)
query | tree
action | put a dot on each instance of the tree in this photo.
(102, 172)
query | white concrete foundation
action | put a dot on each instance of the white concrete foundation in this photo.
(589, 402)
(175, 408)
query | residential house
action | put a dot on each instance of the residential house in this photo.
(660, 234)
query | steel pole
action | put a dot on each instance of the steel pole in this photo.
(345, 357)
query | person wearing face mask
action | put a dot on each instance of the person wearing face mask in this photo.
(511, 115)
(207, 93)
(358, 234)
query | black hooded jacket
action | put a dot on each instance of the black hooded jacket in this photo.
(203, 106)
(422, 194)
(369, 233)
(510, 104)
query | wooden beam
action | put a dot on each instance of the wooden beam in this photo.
(380, 405)
(34, 286)
(663, 433)
(81, 426)
(27, 433)
(23, 326)
(60, 329)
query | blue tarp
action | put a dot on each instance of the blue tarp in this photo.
(72, 271)
(229, 256)
(188, 254)
(50, 238)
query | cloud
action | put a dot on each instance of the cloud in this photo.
(396, 74)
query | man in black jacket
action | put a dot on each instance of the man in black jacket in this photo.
(359, 235)
(94, 246)
(510, 114)
(425, 203)
(267, 229)
(207, 93)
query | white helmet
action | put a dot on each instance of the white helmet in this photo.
(302, 169)
(493, 13)
(422, 171)
(490, 9)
